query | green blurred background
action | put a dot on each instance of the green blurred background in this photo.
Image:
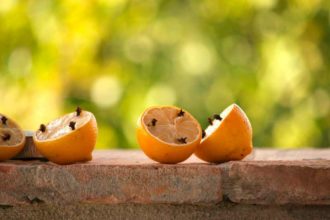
(115, 58)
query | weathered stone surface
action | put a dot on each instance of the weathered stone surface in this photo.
(267, 177)
(278, 182)
(164, 211)
(289, 155)
(109, 179)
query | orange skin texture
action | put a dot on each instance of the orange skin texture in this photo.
(160, 151)
(232, 140)
(76, 146)
(8, 152)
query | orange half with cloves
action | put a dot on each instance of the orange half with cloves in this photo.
(68, 139)
(168, 134)
(12, 138)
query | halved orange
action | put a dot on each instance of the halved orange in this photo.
(228, 137)
(68, 139)
(168, 134)
(12, 138)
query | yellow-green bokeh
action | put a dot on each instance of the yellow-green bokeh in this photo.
(115, 58)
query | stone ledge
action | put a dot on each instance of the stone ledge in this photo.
(267, 177)
(224, 210)
(278, 182)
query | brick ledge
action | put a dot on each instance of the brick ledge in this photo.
(267, 177)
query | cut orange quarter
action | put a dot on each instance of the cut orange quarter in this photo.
(168, 134)
(228, 137)
(68, 139)
(12, 138)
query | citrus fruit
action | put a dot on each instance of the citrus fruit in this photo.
(68, 139)
(168, 134)
(228, 137)
(12, 138)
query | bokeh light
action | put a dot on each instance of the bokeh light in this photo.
(116, 58)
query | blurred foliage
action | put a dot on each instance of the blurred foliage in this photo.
(115, 58)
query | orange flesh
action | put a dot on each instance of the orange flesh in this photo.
(10, 128)
(216, 123)
(60, 126)
(169, 126)
(228, 139)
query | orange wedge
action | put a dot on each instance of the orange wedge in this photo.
(68, 139)
(228, 137)
(12, 138)
(168, 134)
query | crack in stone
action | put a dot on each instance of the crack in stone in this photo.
(5, 206)
(34, 200)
